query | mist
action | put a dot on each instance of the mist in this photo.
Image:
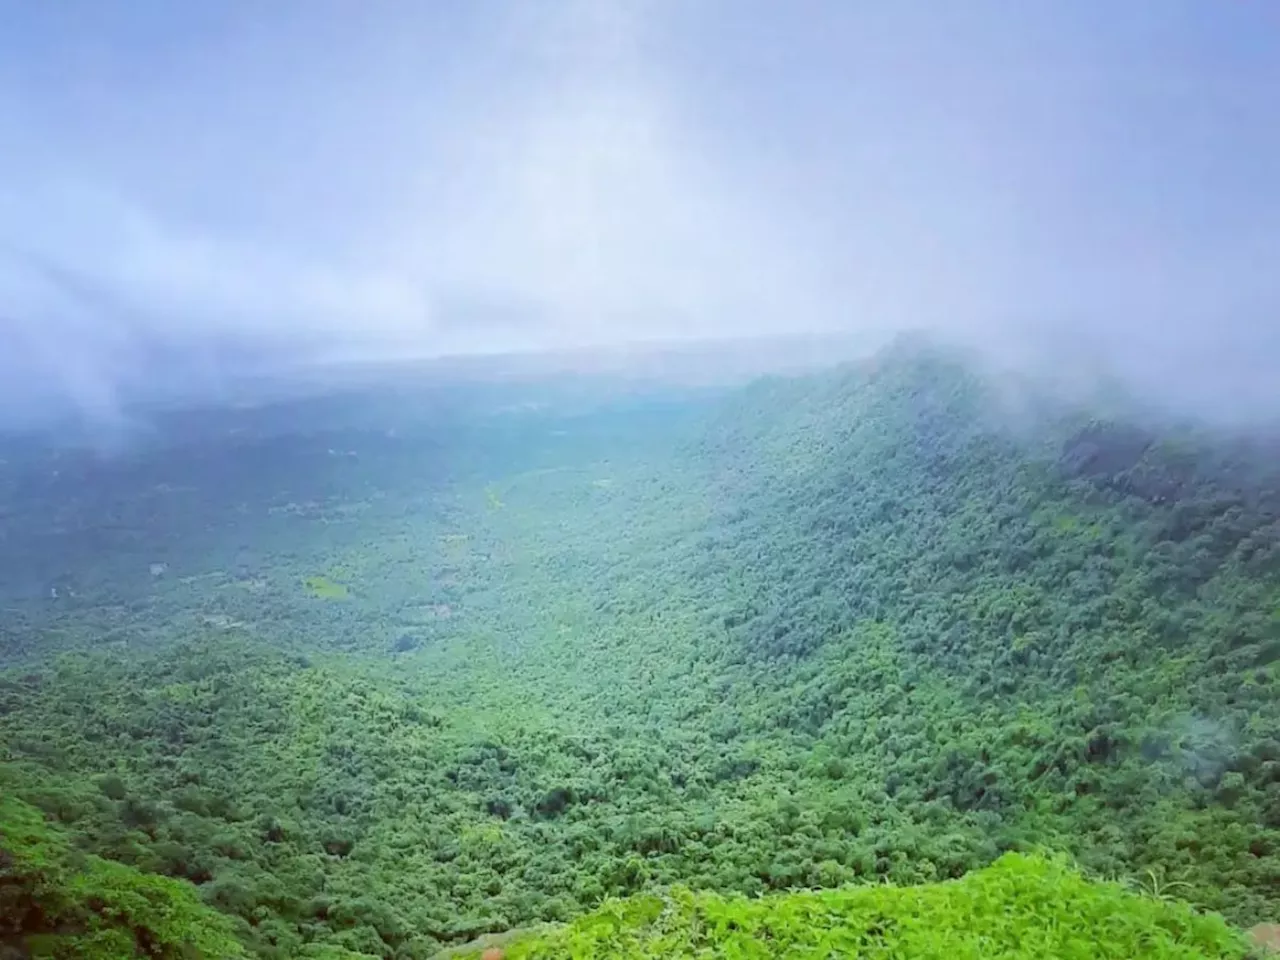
(192, 192)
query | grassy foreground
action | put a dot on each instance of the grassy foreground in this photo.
(1022, 906)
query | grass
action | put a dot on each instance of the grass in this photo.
(1023, 906)
(325, 589)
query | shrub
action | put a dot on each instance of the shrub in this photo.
(1020, 907)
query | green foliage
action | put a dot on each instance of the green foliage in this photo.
(58, 903)
(1020, 907)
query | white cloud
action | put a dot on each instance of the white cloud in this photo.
(502, 175)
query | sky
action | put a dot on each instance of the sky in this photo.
(197, 188)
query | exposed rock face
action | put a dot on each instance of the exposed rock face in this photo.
(1266, 937)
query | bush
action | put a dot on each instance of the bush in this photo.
(1020, 907)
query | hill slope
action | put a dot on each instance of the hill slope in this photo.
(395, 692)
(56, 902)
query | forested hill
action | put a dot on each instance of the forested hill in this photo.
(881, 623)
(1099, 600)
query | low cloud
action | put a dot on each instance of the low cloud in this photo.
(186, 196)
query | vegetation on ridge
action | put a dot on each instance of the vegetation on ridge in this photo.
(1019, 908)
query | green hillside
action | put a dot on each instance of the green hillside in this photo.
(379, 694)
(56, 902)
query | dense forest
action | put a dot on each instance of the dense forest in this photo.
(355, 677)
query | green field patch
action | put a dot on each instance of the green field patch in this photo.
(323, 588)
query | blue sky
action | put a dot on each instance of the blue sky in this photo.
(189, 185)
